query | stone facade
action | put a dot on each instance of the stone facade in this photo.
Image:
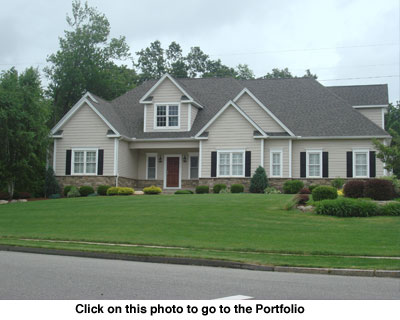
(79, 181)
(228, 181)
(278, 182)
(127, 182)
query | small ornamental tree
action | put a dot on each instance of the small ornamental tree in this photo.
(259, 181)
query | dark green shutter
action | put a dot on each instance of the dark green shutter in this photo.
(68, 163)
(349, 157)
(372, 164)
(247, 170)
(100, 162)
(303, 163)
(213, 164)
(325, 165)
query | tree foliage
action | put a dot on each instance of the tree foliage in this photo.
(277, 73)
(259, 181)
(86, 60)
(23, 131)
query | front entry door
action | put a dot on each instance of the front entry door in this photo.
(172, 172)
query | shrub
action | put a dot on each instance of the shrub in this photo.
(102, 190)
(24, 195)
(292, 186)
(184, 192)
(259, 181)
(302, 199)
(354, 189)
(73, 192)
(237, 188)
(345, 207)
(66, 190)
(51, 185)
(311, 187)
(271, 190)
(338, 183)
(305, 191)
(4, 195)
(125, 191)
(391, 209)
(379, 189)
(113, 191)
(218, 187)
(202, 189)
(152, 190)
(396, 184)
(85, 191)
(324, 193)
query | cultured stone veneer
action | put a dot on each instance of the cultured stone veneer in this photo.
(79, 181)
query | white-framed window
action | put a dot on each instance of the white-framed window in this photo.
(230, 163)
(361, 163)
(84, 161)
(314, 164)
(151, 166)
(167, 116)
(276, 162)
(193, 165)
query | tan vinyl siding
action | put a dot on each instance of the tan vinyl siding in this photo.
(337, 154)
(167, 93)
(160, 165)
(374, 114)
(194, 114)
(230, 131)
(85, 129)
(277, 144)
(164, 144)
(258, 115)
(127, 161)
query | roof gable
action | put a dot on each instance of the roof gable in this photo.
(223, 109)
(265, 119)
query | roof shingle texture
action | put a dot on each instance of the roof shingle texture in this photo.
(305, 106)
(376, 94)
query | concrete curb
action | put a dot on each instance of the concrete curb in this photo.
(204, 262)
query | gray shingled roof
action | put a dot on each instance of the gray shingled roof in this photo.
(363, 95)
(305, 106)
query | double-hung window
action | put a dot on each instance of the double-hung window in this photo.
(167, 116)
(194, 166)
(314, 164)
(276, 163)
(151, 166)
(231, 163)
(361, 160)
(84, 161)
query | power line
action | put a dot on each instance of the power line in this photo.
(375, 77)
(308, 49)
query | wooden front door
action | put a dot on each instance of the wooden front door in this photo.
(172, 172)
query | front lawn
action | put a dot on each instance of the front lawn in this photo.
(241, 227)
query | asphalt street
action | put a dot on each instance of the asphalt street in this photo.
(37, 276)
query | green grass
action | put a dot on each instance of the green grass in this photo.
(240, 227)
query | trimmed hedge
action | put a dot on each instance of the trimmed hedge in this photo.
(102, 190)
(354, 189)
(184, 192)
(218, 187)
(202, 189)
(66, 190)
(86, 190)
(152, 190)
(114, 191)
(73, 192)
(292, 186)
(379, 189)
(324, 193)
(237, 188)
(312, 187)
(391, 209)
(305, 191)
(346, 207)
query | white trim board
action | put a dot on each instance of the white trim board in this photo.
(167, 76)
(75, 108)
(245, 90)
(371, 106)
(222, 110)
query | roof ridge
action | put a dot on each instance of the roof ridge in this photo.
(358, 85)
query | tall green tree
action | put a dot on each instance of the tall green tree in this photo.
(151, 61)
(86, 61)
(244, 72)
(23, 131)
(390, 154)
(277, 73)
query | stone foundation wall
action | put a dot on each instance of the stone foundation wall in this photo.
(278, 182)
(228, 181)
(93, 181)
(127, 182)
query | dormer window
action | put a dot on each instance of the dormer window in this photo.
(167, 116)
